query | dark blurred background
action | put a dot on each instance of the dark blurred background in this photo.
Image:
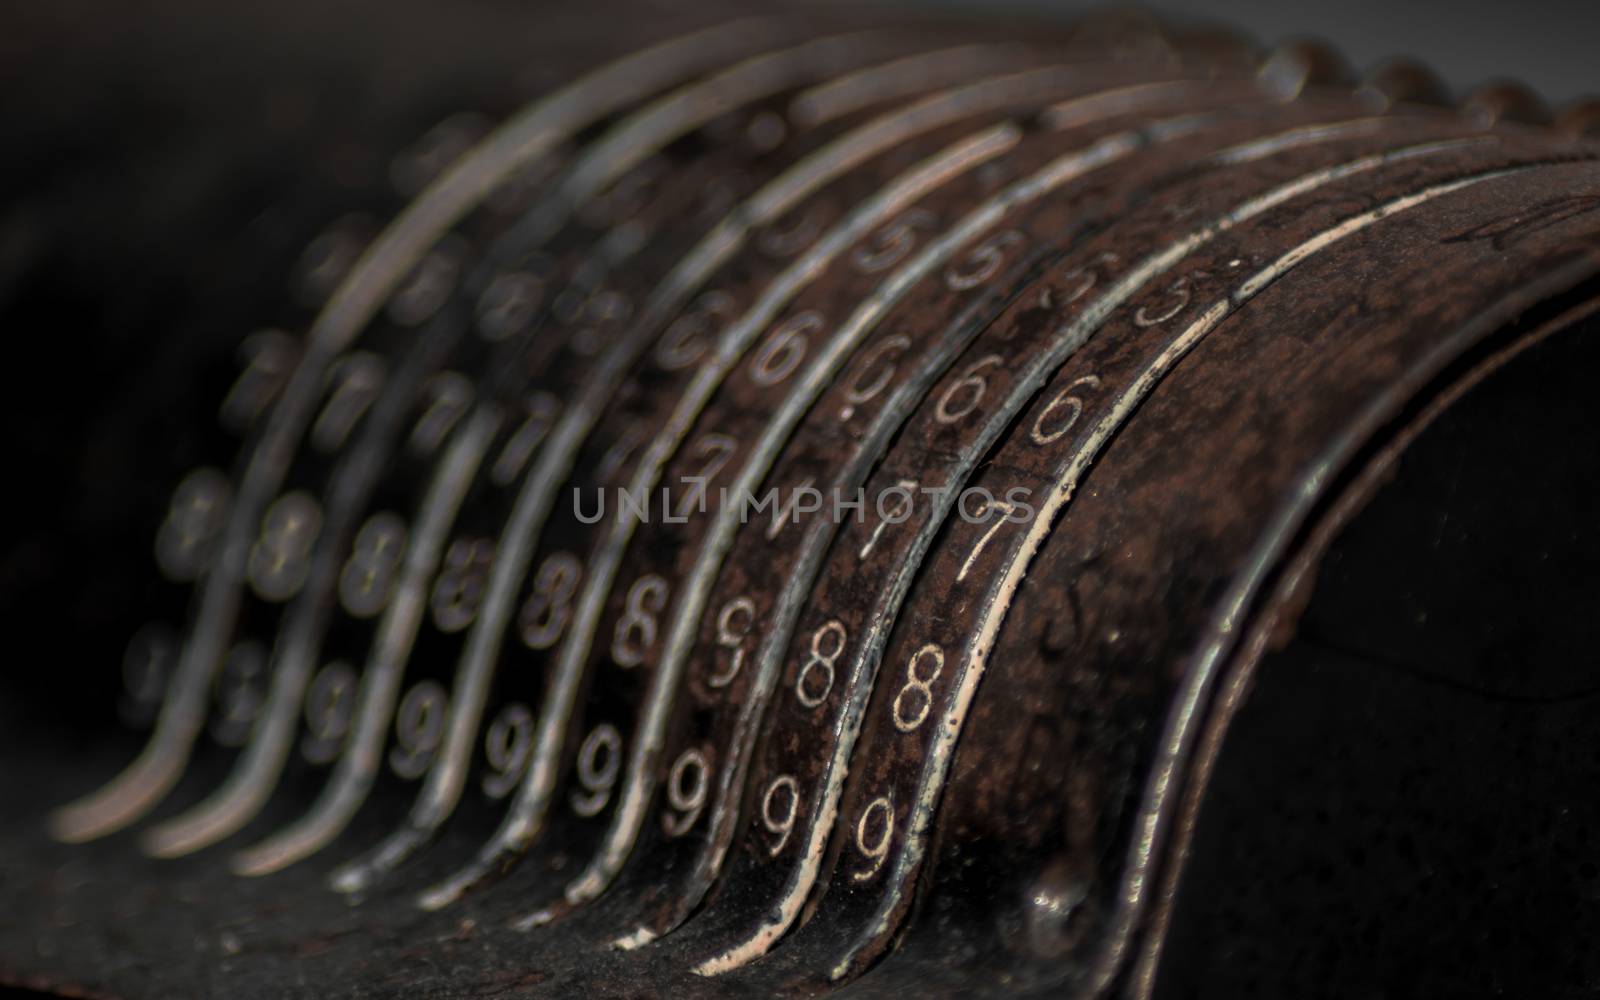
(1553, 45)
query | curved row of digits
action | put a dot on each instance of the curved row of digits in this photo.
(904, 262)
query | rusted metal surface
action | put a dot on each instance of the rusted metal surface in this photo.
(1080, 346)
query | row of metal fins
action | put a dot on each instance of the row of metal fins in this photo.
(621, 286)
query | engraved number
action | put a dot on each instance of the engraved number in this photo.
(983, 262)
(890, 244)
(864, 388)
(779, 808)
(592, 316)
(508, 304)
(1179, 292)
(356, 380)
(915, 698)
(734, 622)
(990, 506)
(905, 496)
(784, 348)
(965, 393)
(816, 674)
(368, 574)
(429, 285)
(877, 818)
(460, 585)
(687, 788)
(280, 557)
(146, 666)
(716, 449)
(268, 357)
(792, 234)
(330, 707)
(239, 693)
(418, 729)
(542, 408)
(508, 746)
(599, 760)
(691, 333)
(327, 259)
(449, 395)
(547, 610)
(195, 515)
(1062, 412)
(636, 629)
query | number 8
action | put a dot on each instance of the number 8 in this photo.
(920, 684)
(636, 630)
(822, 661)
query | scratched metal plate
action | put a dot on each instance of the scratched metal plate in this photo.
(700, 504)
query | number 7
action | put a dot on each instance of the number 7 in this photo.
(989, 508)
